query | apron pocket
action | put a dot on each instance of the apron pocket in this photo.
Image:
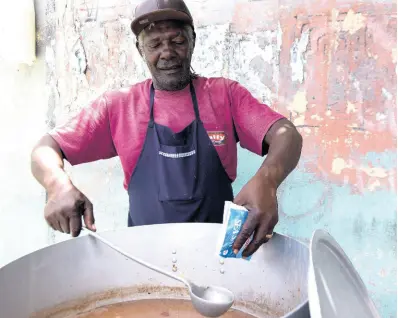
(177, 168)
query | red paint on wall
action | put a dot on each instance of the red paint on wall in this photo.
(349, 86)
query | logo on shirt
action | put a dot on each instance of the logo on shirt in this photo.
(218, 138)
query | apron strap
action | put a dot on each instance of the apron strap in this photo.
(194, 100)
(152, 102)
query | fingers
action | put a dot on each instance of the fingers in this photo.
(75, 223)
(262, 235)
(64, 223)
(53, 222)
(248, 228)
(269, 236)
(239, 200)
(64, 211)
(88, 215)
(59, 223)
(259, 238)
(69, 220)
(259, 224)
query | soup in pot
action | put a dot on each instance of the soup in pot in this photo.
(152, 308)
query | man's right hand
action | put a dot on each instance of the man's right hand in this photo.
(66, 205)
(65, 208)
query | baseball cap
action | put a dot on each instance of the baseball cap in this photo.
(150, 11)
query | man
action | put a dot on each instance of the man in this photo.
(176, 136)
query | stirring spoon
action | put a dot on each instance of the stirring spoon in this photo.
(209, 301)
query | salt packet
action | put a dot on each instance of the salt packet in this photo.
(233, 220)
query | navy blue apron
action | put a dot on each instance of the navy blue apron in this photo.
(179, 177)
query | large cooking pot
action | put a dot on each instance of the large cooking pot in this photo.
(81, 274)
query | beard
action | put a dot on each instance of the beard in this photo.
(171, 75)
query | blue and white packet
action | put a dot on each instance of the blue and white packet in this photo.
(233, 220)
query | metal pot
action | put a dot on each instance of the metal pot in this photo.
(81, 274)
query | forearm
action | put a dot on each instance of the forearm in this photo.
(285, 144)
(47, 164)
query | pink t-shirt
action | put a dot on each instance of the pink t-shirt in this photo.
(115, 124)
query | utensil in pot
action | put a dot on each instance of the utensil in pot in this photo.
(209, 301)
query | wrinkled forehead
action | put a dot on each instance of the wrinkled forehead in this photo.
(162, 27)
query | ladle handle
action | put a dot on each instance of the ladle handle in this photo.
(137, 260)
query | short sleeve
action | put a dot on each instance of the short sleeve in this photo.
(252, 119)
(87, 136)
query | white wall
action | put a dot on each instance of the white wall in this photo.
(23, 107)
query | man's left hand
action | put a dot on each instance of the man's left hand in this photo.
(259, 197)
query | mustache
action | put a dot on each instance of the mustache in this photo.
(169, 65)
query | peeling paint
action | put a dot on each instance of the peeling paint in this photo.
(316, 117)
(338, 165)
(353, 22)
(351, 108)
(380, 116)
(386, 94)
(78, 58)
(298, 60)
(299, 104)
(375, 172)
(299, 121)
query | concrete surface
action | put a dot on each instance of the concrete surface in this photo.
(329, 66)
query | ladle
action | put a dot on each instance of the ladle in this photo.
(209, 301)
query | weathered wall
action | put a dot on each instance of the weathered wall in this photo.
(23, 106)
(22, 121)
(327, 65)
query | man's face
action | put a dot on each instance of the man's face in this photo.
(168, 54)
